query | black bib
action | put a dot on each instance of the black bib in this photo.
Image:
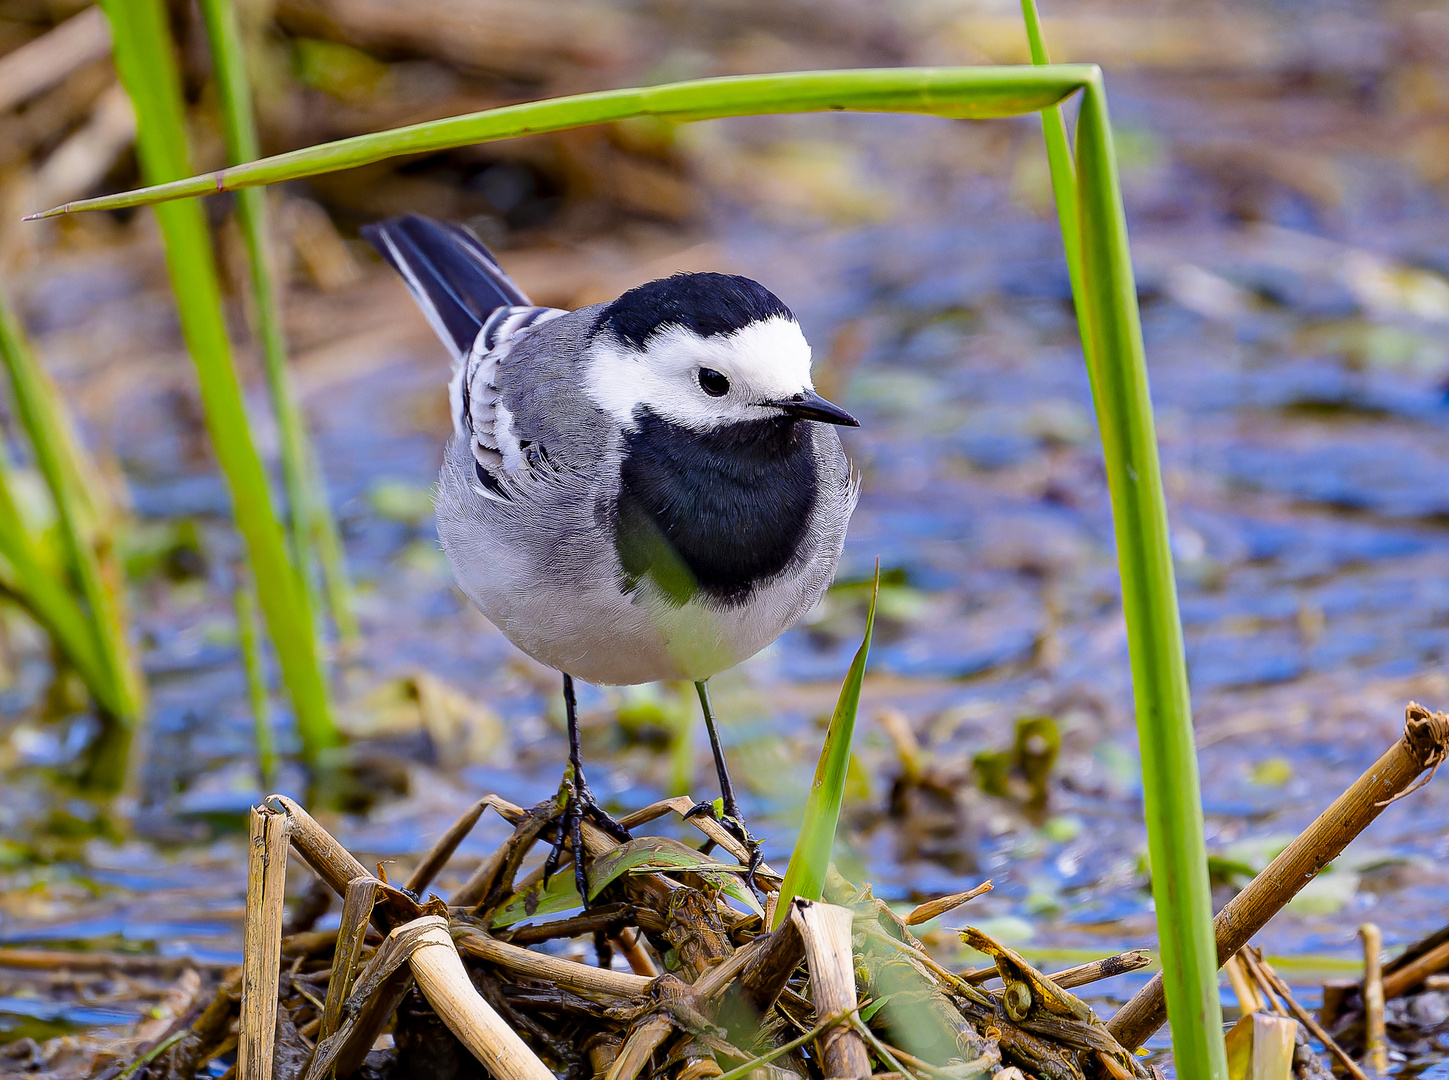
(714, 512)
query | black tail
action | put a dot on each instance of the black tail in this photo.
(454, 278)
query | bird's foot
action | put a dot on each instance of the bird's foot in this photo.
(578, 803)
(734, 824)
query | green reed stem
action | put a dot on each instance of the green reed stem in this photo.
(115, 677)
(145, 62)
(1116, 364)
(1059, 161)
(831, 1021)
(248, 636)
(310, 516)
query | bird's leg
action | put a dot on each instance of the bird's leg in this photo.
(579, 800)
(729, 815)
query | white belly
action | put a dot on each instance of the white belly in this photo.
(597, 634)
(544, 571)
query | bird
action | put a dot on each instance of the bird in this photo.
(635, 491)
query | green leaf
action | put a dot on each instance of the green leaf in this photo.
(660, 854)
(873, 1008)
(644, 855)
(559, 895)
(805, 875)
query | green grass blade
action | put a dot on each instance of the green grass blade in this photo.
(1118, 370)
(1059, 161)
(805, 874)
(116, 678)
(49, 600)
(967, 93)
(249, 640)
(147, 66)
(239, 128)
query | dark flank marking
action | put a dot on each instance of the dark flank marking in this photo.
(717, 512)
(488, 480)
(708, 304)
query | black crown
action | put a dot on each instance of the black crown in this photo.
(708, 304)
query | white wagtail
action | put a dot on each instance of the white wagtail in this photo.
(642, 490)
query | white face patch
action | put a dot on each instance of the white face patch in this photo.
(764, 362)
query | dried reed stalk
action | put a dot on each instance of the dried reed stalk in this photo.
(103, 962)
(1260, 1047)
(356, 912)
(423, 874)
(825, 929)
(1410, 975)
(942, 904)
(1269, 980)
(374, 998)
(262, 944)
(579, 978)
(494, 875)
(42, 63)
(444, 982)
(1423, 746)
(1080, 974)
(1249, 1000)
(772, 965)
(1041, 1005)
(335, 865)
(332, 862)
(1376, 1037)
(620, 1025)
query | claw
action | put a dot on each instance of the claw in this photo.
(578, 801)
(735, 826)
(737, 829)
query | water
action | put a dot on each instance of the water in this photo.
(1298, 344)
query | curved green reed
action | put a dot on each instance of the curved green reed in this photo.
(1095, 243)
(962, 93)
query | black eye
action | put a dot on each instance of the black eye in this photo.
(713, 383)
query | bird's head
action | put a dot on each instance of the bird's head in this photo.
(704, 351)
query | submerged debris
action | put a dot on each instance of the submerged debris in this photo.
(411, 988)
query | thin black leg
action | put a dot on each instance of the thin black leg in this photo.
(730, 818)
(726, 789)
(576, 757)
(579, 801)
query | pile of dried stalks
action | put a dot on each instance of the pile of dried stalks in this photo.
(840, 989)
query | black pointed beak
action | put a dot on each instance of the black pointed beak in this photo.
(808, 405)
